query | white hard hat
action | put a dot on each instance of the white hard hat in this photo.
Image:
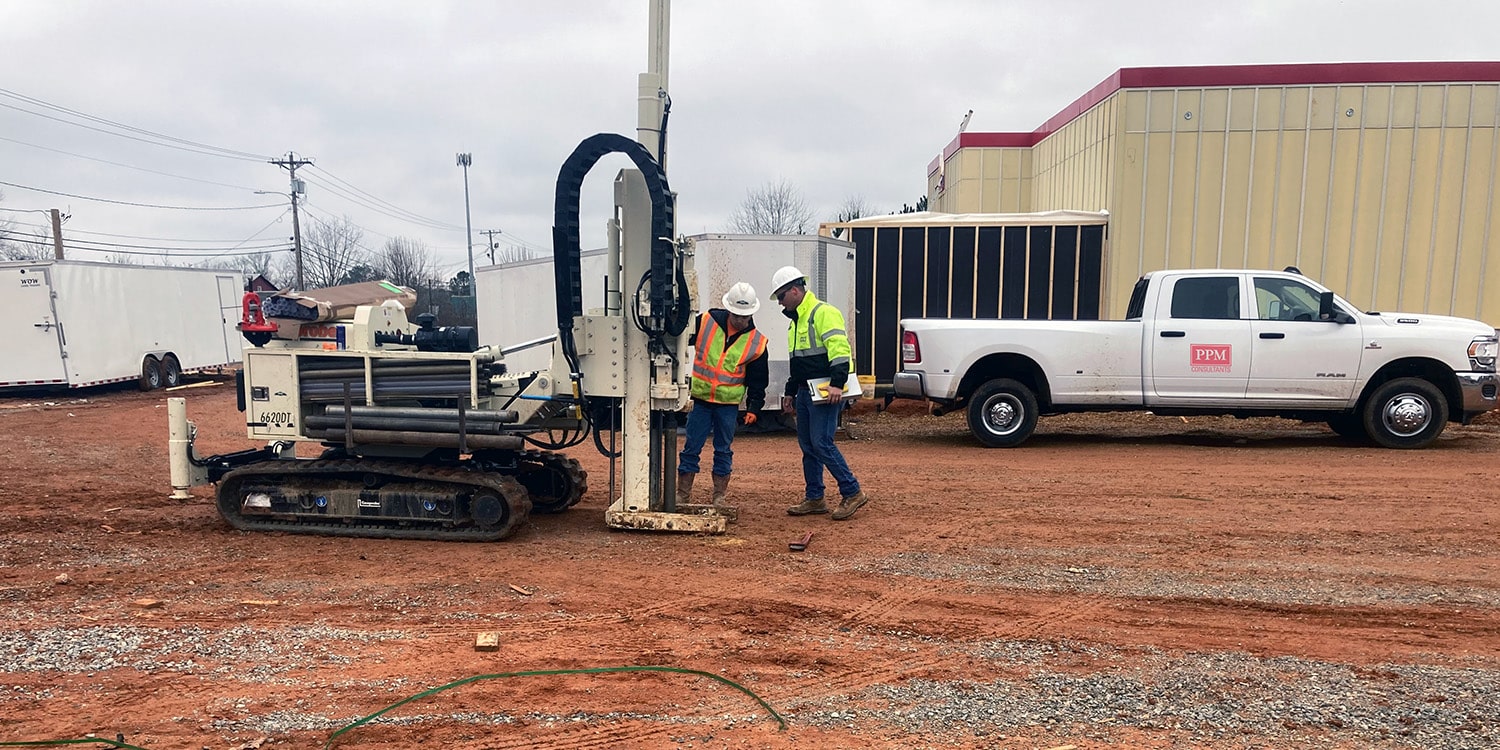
(783, 276)
(740, 299)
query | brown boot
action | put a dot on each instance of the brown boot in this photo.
(809, 507)
(721, 498)
(684, 487)
(848, 505)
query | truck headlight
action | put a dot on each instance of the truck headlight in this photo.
(1482, 353)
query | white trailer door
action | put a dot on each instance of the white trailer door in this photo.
(230, 297)
(35, 353)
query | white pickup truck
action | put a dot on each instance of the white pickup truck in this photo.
(1237, 342)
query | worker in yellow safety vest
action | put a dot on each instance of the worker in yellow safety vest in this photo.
(729, 368)
(818, 347)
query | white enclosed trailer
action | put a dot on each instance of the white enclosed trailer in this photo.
(516, 300)
(72, 324)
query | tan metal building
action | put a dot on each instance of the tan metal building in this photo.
(1377, 179)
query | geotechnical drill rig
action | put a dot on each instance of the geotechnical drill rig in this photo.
(420, 433)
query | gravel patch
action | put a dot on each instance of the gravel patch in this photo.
(1251, 582)
(1219, 698)
(187, 649)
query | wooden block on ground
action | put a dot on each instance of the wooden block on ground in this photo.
(147, 603)
(488, 641)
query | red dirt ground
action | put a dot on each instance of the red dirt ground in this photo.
(1107, 546)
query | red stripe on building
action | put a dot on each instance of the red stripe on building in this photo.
(1220, 76)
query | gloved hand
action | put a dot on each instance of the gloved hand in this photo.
(751, 418)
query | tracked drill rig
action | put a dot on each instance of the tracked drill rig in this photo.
(420, 433)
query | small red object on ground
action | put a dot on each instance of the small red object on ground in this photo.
(801, 544)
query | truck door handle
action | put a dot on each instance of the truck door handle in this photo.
(1269, 335)
(1173, 334)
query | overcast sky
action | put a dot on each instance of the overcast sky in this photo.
(840, 98)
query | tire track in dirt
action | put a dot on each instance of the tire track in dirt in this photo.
(585, 735)
(264, 619)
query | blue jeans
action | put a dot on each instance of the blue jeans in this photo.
(816, 424)
(720, 418)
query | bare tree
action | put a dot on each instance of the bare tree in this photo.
(406, 262)
(513, 253)
(329, 250)
(775, 208)
(16, 245)
(276, 266)
(854, 207)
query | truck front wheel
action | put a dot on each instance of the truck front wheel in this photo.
(1002, 413)
(1405, 413)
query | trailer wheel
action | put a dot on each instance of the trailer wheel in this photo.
(1405, 413)
(171, 371)
(1002, 413)
(151, 375)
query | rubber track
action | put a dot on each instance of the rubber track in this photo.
(510, 490)
(578, 480)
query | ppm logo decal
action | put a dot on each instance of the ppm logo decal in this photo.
(1212, 357)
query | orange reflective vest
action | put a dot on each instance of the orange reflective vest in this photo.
(719, 366)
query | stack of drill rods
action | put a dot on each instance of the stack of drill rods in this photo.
(323, 379)
(333, 390)
(358, 373)
(419, 412)
(433, 439)
(411, 425)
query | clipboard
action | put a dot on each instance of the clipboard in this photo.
(818, 388)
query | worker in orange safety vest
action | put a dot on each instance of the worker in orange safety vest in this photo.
(729, 368)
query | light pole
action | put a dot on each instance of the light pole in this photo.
(464, 160)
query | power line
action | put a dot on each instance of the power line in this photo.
(209, 150)
(127, 166)
(409, 218)
(143, 237)
(163, 254)
(44, 232)
(416, 217)
(142, 205)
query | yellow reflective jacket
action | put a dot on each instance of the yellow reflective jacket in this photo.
(817, 344)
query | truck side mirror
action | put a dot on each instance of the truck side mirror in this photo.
(1326, 310)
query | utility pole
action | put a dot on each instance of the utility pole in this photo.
(464, 160)
(57, 251)
(490, 243)
(290, 163)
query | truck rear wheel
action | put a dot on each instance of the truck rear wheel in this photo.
(1405, 413)
(1002, 413)
(151, 376)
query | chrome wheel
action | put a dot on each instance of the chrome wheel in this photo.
(1407, 414)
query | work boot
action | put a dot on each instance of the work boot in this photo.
(721, 498)
(809, 507)
(848, 505)
(684, 487)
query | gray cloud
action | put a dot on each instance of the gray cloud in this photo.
(839, 97)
